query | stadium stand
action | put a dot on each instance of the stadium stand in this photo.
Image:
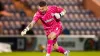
(77, 20)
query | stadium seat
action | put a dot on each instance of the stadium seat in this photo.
(77, 19)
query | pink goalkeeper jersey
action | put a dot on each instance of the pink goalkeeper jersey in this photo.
(48, 19)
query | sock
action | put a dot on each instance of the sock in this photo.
(49, 46)
(61, 49)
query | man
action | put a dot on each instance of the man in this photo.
(3, 12)
(50, 17)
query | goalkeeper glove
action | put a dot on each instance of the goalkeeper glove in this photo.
(58, 15)
(24, 31)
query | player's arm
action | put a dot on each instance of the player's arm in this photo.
(60, 12)
(35, 19)
(30, 26)
(27, 28)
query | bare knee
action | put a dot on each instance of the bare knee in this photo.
(51, 36)
(55, 46)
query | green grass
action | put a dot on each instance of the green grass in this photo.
(89, 53)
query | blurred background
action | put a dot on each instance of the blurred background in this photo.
(81, 26)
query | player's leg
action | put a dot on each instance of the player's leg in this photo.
(61, 49)
(51, 36)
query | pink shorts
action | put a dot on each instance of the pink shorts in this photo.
(56, 30)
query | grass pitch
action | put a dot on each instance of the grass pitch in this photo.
(87, 53)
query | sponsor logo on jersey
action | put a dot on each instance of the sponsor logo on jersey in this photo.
(49, 20)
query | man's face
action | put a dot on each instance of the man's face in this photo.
(42, 9)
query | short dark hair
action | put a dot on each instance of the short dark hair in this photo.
(42, 3)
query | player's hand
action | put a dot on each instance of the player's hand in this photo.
(23, 32)
(57, 15)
